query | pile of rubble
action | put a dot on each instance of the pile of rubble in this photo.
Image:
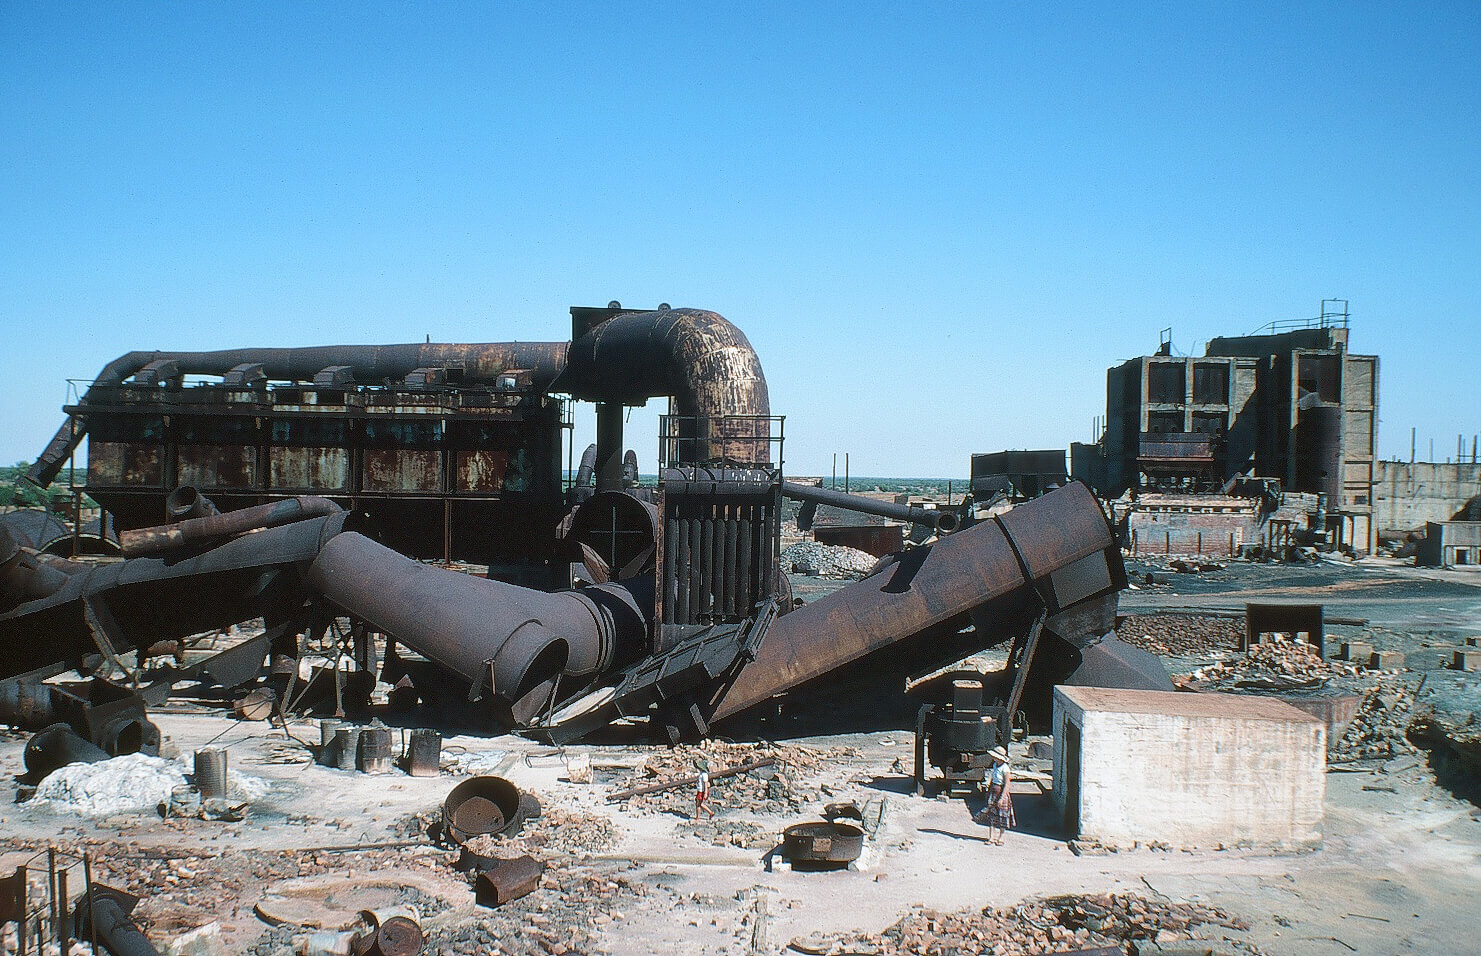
(556, 831)
(1380, 728)
(1176, 634)
(1040, 926)
(1277, 664)
(784, 786)
(827, 561)
(567, 913)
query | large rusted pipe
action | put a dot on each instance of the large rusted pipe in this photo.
(171, 537)
(695, 356)
(501, 638)
(1050, 553)
(479, 363)
(944, 522)
(185, 502)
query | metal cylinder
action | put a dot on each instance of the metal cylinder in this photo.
(375, 749)
(943, 522)
(346, 747)
(107, 911)
(186, 502)
(424, 753)
(56, 747)
(394, 936)
(210, 773)
(171, 537)
(328, 754)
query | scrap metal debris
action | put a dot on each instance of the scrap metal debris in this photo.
(784, 786)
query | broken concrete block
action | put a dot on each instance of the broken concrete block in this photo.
(1387, 661)
(1467, 661)
(1356, 651)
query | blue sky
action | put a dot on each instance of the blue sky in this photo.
(938, 224)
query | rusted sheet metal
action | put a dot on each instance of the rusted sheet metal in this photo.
(395, 469)
(482, 471)
(325, 468)
(508, 880)
(216, 466)
(143, 541)
(111, 464)
(928, 585)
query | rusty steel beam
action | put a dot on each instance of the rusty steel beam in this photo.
(1049, 553)
(182, 534)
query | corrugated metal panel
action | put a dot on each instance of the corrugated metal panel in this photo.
(309, 468)
(116, 464)
(216, 466)
(401, 470)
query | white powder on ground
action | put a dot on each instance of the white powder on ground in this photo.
(130, 784)
(134, 783)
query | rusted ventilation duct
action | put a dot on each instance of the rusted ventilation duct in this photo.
(505, 640)
(368, 364)
(706, 364)
(1049, 554)
(161, 598)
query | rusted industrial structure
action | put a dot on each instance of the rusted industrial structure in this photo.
(309, 455)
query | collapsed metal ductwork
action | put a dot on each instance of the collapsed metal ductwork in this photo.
(688, 619)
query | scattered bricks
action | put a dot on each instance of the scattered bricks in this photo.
(1386, 661)
(1356, 651)
(1467, 661)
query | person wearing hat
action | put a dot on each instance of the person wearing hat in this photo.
(998, 814)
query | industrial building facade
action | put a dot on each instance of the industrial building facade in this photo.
(1293, 405)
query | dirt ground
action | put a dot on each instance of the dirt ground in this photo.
(1397, 872)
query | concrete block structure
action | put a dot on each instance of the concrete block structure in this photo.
(1450, 543)
(1188, 769)
(1293, 405)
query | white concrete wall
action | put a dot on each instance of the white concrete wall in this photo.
(1195, 780)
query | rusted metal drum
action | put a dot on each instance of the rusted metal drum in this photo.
(327, 753)
(375, 749)
(507, 880)
(397, 936)
(210, 773)
(480, 805)
(424, 753)
(346, 747)
(823, 844)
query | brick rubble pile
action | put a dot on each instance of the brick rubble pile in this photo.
(1175, 634)
(1379, 730)
(787, 786)
(1276, 664)
(1059, 924)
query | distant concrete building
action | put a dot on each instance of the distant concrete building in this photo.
(1188, 769)
(1292, 405)
(1019, 475)
(1450, 543)
(1409, 494)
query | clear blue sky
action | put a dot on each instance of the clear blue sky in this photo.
(938, 224)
